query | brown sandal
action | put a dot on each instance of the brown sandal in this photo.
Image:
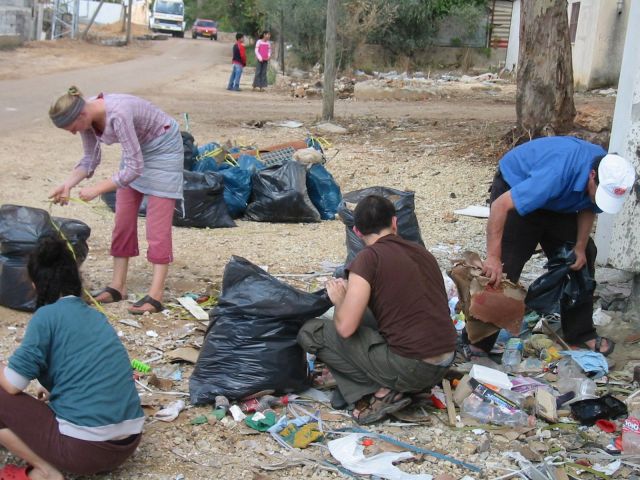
(376, 408)
(115, 295)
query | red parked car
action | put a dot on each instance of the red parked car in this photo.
(204, 28)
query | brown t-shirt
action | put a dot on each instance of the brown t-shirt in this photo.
(408, 297)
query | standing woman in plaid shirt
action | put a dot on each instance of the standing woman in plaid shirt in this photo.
(151, 165)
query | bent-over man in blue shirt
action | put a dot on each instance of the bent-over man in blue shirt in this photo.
(548, 192)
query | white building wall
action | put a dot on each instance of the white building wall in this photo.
(514, 38)
(618, 237)
(109, 12)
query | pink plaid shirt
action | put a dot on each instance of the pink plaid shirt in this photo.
(131, 122)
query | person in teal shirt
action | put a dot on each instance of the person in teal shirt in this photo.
(87, 416)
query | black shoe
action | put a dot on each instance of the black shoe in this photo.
(337, 400)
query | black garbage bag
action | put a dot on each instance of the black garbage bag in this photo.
(280, 195)
(560, 286)
(203, 205)
(20, 229)
(589, 411)
(250, 344)
(408, 227)
(190, 150)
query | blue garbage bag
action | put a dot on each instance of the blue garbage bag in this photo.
(208, 147)
(206, 164)
(250, 163)
(237, 189)
(323, 191)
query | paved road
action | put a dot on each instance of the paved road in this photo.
(25, 102)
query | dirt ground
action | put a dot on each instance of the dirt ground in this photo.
(445, 149)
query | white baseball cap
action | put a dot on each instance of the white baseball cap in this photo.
(616, 178)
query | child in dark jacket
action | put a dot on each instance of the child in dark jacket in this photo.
(239, 61)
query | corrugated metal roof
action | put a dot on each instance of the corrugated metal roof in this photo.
(501, 23)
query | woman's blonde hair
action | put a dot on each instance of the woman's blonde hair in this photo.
(67, 108)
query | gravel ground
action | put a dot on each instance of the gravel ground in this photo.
(448, 162)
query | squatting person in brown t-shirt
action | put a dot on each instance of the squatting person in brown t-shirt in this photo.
(413, 345)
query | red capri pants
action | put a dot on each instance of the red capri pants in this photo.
(124, 240)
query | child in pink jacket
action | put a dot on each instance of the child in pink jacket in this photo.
(263, 54)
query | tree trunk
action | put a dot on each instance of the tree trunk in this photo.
(544, 101)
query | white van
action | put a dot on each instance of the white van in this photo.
(168, 16)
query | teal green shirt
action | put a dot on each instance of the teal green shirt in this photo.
(76, 354)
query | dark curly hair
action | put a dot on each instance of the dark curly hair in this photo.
(54, 271)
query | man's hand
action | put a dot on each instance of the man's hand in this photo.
(337, 290)
(89, 193)
(581, 259)
(492, 268)
(42, 393)
(61, 194)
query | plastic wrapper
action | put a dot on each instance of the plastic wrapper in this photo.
(250, 344)
(323, 190)
(20, 229)
(404, 202)
(203, 205)
(560, 286)
(487, 412)
(280, 195)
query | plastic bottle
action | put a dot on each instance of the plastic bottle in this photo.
(512, 355)
(631, 434)
(263, 403)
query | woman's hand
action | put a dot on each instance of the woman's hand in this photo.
(42, 394)
(61, 194)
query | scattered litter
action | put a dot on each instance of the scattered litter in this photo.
(188, 354)
(170, 412)
(130, 323)
(237, 414)
(608, 469)
(194, 309)
(290, 124)
(490, 376)
(476, 211)
(349, 451)
(594, 364)
(152, 333)
(600, 318)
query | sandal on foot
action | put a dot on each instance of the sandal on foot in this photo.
(14, 472)
(136, 308)
(115, 295)
(598, 345)
(379, 407)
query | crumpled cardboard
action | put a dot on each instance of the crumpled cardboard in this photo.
(486, 309)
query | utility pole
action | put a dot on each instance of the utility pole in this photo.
(130, 11)
(281, 39)
(328, 92)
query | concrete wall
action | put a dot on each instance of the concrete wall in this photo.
(511, 61)
(597, 50)
(368, 57)
(618, 237)
(16, 19)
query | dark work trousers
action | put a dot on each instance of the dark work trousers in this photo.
(551, 230)
(363, 363)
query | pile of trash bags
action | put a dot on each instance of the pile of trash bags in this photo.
(283, 183)
(20, 230)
